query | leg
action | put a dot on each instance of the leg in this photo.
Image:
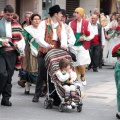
(3, 74)
(73, 93)
(10, 58)
(27, 88)
(96, 57)
(82, 73)
(42, 76)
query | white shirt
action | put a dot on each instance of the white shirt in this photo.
(95, 28)
(42, 29)
(66, 76)
(8, 29)
(79, 24)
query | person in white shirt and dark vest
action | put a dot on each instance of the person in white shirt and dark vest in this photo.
(11, 42)
(97, 43)
(52, 33)
(83, 32)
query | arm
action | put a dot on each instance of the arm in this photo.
(90, 29)
(71, 37)
(40, 39)
(103, 37)
(63, 37)
(73, 75)
(62, 77)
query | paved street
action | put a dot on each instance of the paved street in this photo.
(99, 103)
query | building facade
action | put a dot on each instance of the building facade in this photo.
(42, 6)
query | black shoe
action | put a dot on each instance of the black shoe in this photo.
(35, 99)
(100, 67)
(42, 94)
(95, 70)
(89, 67)
(27, 92)
(117, 116)
(6, 103)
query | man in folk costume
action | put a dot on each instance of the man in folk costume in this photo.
(97, 43)
(10, 39)
(51, 33)
(82, 44)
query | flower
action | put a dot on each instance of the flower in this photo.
(111, 29)
(116, 51)
(86, 33)
(118, 27)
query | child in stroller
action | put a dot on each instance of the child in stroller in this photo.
(67, 76)
(56, 94)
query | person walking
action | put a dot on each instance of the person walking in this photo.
(11, 41)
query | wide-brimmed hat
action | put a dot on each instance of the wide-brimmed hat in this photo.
(54, 9)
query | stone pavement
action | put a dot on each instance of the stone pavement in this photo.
(98, 104)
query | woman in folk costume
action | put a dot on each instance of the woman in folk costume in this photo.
(31, 51)
(83, 32)
(116, 54)
(113, 41)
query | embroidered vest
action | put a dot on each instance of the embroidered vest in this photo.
(84, 26)
(49, 35)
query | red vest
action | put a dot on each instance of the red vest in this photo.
(86, 44)
(95, 40)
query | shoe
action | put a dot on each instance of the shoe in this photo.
(21, 83)
(84, 82)
(27, 92)
(73, 104)
(69, 107)
(117, 116)
(100, 67)
(89, 67)
(6, 103)
(42, 94)
(95, 70)
(35, 99)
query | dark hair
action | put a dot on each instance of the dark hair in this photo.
(33, 15)
(8, 8)
(118, 18)
(64, 63)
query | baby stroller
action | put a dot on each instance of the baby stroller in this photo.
(52, 59)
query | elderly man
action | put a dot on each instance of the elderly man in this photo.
(11, 39)
(80, 26)
(97, 43)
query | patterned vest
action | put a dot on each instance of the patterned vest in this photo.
(84, 26)
(49, 35)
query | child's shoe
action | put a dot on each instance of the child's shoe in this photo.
(73, 104)
(69, 107)
(84, 82)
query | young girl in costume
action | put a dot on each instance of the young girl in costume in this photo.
(67, 76)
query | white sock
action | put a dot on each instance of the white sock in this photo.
(27, 86)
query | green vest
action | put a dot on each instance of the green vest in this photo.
(99, 31)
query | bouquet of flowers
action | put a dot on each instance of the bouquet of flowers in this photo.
(117, 31)
(116, 51)
(86, 33)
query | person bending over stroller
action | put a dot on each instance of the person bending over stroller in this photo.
(67, 76)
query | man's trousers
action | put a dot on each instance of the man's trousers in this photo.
(7, 64)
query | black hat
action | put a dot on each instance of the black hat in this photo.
(54, 9)
(63, 12)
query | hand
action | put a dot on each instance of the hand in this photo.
(16, 45)
(64, 47)
(81, 38)
(102, 46)
(71, 81)
(50, 46)
(5, 43)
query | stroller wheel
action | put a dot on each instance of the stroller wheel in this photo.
(46, 104)
(51, 104)
(61, 107)
(79, 107)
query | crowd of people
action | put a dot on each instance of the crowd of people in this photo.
(24, 46)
